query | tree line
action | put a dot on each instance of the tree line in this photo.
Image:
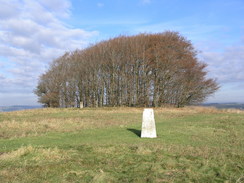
(142, 70)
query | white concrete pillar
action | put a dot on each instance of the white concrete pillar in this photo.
(148, 124)
(81, 104)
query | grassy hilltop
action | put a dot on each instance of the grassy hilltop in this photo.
(103, 145)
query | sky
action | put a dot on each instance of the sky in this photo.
(35, 32)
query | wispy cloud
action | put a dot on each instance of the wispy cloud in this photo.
(227, 66)
(32, 33)
(100, 5)
(146, 1)
(193, 31)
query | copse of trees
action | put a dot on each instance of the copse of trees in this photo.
(142, 70)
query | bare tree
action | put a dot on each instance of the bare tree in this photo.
(143, 70)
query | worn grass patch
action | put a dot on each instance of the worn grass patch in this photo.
(103, 145)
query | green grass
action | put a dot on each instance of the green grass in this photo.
(102, 145)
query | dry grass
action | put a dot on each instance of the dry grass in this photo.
(41, 121)
(36, 154)
(200, 109)
(194, 144)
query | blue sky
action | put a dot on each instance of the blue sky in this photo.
(34, 32)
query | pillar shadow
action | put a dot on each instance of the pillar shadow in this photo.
(135, 131)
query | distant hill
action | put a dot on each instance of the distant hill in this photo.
(18, 108)
(217, 105)
(225, 105)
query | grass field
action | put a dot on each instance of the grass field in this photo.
(103, 145)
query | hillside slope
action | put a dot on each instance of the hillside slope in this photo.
(103, 145)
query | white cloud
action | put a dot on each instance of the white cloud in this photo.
(100, 5)
(227, 66)
(61, 8)
(32, 33)
(191, 31)
(146, 1)
(9, 9)
(229, 92)
(19, 98)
